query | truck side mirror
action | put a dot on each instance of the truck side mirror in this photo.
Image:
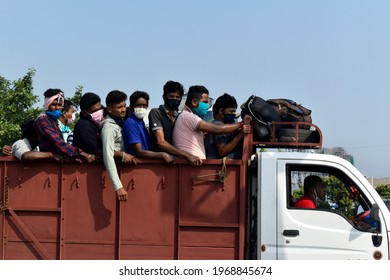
(374, 214)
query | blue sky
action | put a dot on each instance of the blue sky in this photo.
(332, 56)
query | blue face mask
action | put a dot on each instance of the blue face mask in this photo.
(54, 115)
(201, 110)
(172, 104)
(229, 118)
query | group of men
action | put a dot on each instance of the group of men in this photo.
(119, 132)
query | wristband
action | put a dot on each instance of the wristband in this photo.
(89, 156)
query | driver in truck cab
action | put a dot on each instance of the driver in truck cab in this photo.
(313, 192)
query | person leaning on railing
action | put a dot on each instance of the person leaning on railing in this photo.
(25, 149)
(49, 135)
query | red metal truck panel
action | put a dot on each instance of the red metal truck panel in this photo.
(70, 211)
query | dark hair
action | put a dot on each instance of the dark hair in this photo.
(115, 97)
(310, 182)
(88, 100)
(173, 87)
(52, 91)
(137, 95)
(195, 92)
(28, 130)
(224, 101)
(67, 105)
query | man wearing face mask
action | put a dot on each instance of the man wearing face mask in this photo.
(188, 134)
(135, 135)
(225, 145)
(313, 192)
(88, 128)
(65, 120)
(49, 134)
(161, 122)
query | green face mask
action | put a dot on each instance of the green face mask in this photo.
(201, 110)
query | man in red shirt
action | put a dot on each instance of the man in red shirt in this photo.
(314, 192)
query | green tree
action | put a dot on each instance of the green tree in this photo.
(76, 97)
(383, 191)
(16, 106)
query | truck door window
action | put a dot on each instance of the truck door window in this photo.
(342, 196)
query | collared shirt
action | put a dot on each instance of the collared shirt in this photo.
(159, 119)
(134, 131)
(50, 137)
(186, 135)
(66, 132)
(112, 141)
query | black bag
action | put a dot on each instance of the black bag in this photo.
(263, 114)
(290, 111)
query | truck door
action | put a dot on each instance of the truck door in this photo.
(338, 228)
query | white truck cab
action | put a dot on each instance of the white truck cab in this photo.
(333, 230)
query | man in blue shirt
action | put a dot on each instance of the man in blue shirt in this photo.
(135, 134)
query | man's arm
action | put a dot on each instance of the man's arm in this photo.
(226, 148)
(137, 147)
(218, 129)
(35, 155)
(109, 162)
(170, 149)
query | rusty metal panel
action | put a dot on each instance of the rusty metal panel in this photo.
(31, 218)
(33, 184)
(70, 211)
(24, 251)
(211, 211)
(43, 225)
(89, 251)
(202, 199)
(203, 253)
(209, 237)
(145, 252)
(89, 213)
(148, 219)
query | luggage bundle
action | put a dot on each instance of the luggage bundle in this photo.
(282, 114)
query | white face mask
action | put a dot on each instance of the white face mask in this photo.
(140, 112)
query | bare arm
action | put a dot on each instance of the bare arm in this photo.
(137, 147)
(167, 147)
(35, 155)
(218, 129)
(226, 148)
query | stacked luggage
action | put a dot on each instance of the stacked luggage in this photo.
(281, 120)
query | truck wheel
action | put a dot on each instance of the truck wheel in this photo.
(304, 135)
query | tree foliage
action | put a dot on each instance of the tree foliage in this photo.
(339, 196)
(16, 106)
(383, 191)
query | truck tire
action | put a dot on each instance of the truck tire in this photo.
(304, 135)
